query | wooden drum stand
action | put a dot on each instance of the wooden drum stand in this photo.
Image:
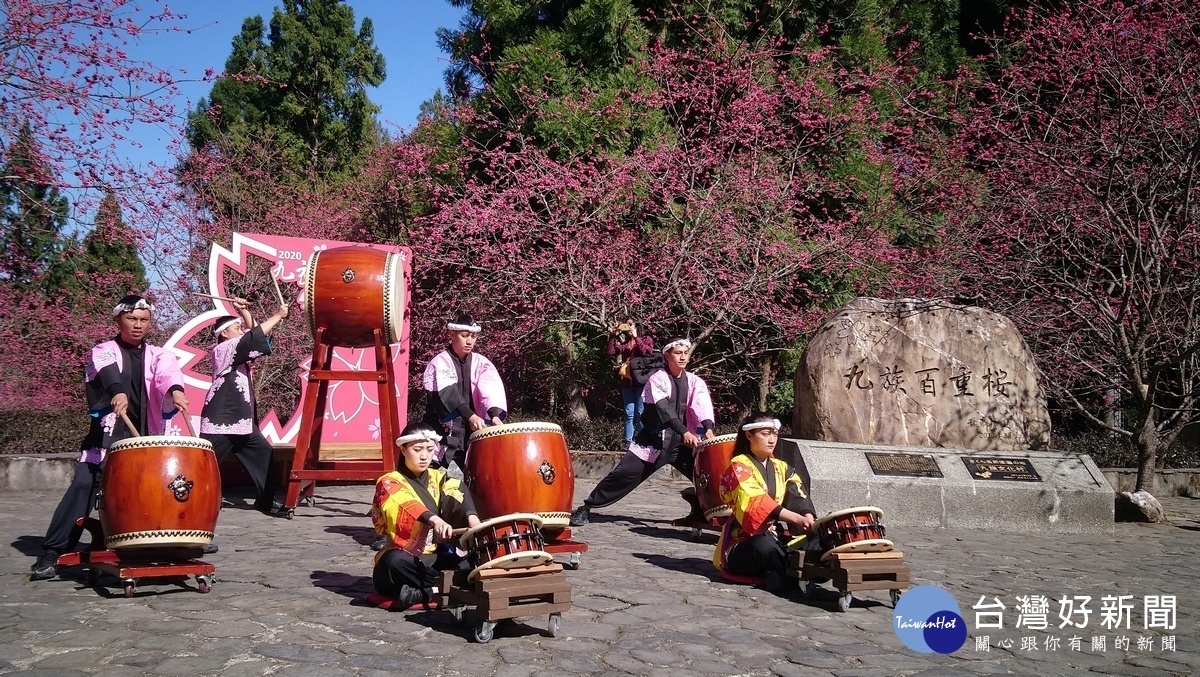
(500, 594)
(850, 572)
(306, 464)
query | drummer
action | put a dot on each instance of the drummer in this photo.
(679, 412)
(464, 392)
(124, 375)
(762, 490)
(229, 420)
(416, 507)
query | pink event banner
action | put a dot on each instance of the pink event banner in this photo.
(352, 410)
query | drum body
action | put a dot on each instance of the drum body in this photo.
(712, 459)
(351, 292)
(159, 492)
(506, 542)
(853, 530)
(522, 468)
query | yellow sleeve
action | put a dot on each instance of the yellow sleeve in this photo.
(396, 511)
(743, 490)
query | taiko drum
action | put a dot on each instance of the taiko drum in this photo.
(506, 542)
(522, 468)
(853, 530)
(712, 459)
(351, 292)
(159, 492)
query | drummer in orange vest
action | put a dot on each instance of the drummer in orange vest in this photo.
(762, 491)
(415, 508)
(125, 375)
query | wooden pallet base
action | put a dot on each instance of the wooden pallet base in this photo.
(510, 593)
(852, 572)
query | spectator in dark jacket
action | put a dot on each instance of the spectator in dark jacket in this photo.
(625, 344)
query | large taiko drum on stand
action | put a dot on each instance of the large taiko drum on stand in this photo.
(522, 468)
(712, 459)
(351, 292)
(159, 492)
(505, 542)
(853, 530)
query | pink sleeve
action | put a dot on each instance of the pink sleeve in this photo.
(700, 406)
(489, 388)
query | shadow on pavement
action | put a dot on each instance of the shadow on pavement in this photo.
(361, 535)
(348, 585)
(30, 546)
(687, 565)
(677, 533)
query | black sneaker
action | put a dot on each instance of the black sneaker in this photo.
(380, 543)
(46, 566)
(410, 596)
(579, 516)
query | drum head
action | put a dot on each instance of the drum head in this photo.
(393, 298)
(849, 511)
(516, 560)
(515, 428)
(469, 537)
(147, 441)
(869, 545)
(719, 439)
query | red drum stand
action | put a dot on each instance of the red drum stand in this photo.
(132, 564)
(307, 468)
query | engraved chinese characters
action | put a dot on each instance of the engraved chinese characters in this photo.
(920, 373)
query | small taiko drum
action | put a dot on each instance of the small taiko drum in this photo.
(853, 530)
(352, 291)
(159, 492)
(712, 459)
(505, 542)
(522, 468)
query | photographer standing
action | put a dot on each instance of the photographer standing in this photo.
(625, 344)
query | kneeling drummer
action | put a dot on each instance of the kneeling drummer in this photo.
(415, 508)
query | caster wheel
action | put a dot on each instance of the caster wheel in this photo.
(695, 534)
(291, 513)
(310, 501)
(553, 625)
(573, 562)
(844, 601)
(129, 587)
(457, 612)
(896, 597)
(204, 583)
(483, 634)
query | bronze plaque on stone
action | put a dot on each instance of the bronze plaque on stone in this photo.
(903, 465)
(993, 468)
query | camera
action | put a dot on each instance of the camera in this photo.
(624, 332)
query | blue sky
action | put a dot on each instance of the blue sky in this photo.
(404, 34)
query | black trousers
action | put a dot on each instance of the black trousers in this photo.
(631, 471)
(757, 556)
(396, 568)
(254, 452)
(78, 501)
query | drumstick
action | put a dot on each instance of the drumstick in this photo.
(213, 296)
(129, 424)
(277, 292)
(187, 424)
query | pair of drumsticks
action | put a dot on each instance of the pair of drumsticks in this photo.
(226, 298)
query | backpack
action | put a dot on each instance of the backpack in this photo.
(646, 365)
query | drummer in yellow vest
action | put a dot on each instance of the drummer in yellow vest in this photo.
(762, 490)
(416, 509)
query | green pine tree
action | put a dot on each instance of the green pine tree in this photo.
(32, 214)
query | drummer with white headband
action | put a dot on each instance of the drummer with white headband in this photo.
(464, 392)
(125, 375)
(762, 490)
(417, 506)
(679, 412)
(229, 420)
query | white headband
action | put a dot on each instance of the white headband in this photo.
(222, 327)
(773, 424)
(142, 304)
(463, 327)
(419, 436)
(677, 342)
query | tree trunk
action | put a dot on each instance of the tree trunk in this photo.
(764, 382)
(574, 407)
(1147, 448)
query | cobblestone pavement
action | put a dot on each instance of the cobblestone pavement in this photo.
(290, 601)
